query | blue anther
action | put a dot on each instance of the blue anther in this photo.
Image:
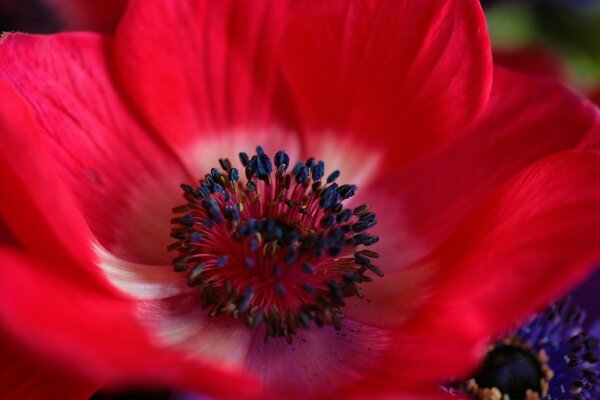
(225, 164)
(187, 189)
(351, 277)
(328, 221)
(361, 259)
(215, 215)
(279, 289)
(371, 240)
(318, 171)
(244, 158)
(309, 269)
(270, 226)
(336, 208)
(308, 288)
(302, 175)
(367, 217)
(234, 174)
(347, 191)
(244, 305)
(282, 159)
(359, 227)
(222, 261)
(336, 234)
(204, 190)
(329, 190)
(335, 290)
(178, 235)
(251, 186)
(216, 188)
(325, 202)
(207, 223)
(187, 220)
(266, 163)
(297, 168)
(249, 262)
(253, 244)
(310, 163)
(333, 176)
(360, 238)
(251, 165)
(215, 173)
(344, 216)
(371, 223)
(208, 178)
(195, 237)
(276, 271)
(251, 226)
(260, 151)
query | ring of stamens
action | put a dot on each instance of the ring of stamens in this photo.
(500, 359)
(280, 249)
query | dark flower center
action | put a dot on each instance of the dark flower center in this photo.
(280, 249)
(513, 370)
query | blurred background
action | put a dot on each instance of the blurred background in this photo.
(559, 39)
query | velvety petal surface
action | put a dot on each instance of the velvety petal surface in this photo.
(526, 120)
(37, 209)
(198, 71)
(97, 335)
(419, 206)
(528, 243)
(397, 77)
(521, 248)
(123, 181)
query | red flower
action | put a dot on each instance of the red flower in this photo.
(487, 204)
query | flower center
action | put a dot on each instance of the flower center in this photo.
(513, 371)
(279, 249)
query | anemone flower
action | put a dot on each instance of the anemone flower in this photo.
(274, 199)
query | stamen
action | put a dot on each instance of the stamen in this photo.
(278, 249)
(551, 357)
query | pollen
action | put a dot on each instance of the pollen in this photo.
(277, 249)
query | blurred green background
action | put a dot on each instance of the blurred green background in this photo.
(567, 29)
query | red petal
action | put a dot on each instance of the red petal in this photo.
(97, 335)
(25, 377)
(396, 77)
(37, 209)
(527, 244)
(199, 69)
(89, 15)
(525, 120)
(104, 157)
(522, 248)
(320, 363)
